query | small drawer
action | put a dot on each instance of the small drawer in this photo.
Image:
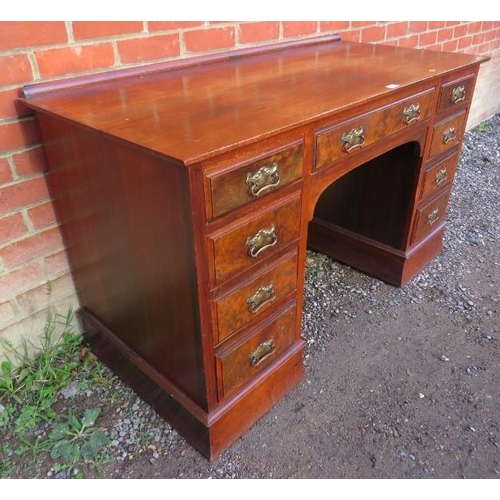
(431, 216)
(236, 309)
(241, 184)
(247, 244)
(239, 364)
(439, 175)
(447, 133)
(456, 93)
(338, 141)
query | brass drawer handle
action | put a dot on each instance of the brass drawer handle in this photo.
(264, 239)
(450, 134)
(353, 139)
(458, 94)
(411, 113)
(267, 177)
(261, 297)
(262, 352)
(441, 176)
(433, 217)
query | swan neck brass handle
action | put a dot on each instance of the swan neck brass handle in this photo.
(353, 139)
(267, 177)
(262, 352)
(261, 297)
(441, 176)
(263, 240)
(458, 94)
(411, 113)
(433, 217)
(450, 134)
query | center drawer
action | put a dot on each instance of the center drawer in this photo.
(246, 244)
(363, 130)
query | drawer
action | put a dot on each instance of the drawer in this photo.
(439, 175)
(456, 93)
(447, 133)
(236, 309)
(338, 141)
(247, 244)
(241, 184)
(431, 216)
(239, 364)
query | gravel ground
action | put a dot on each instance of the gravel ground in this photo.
(400, 382)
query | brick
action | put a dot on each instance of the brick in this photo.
(22, 194)
(45, 295)
(33, 246)
(209, 39)
(417, 26)
(464, 42)
(445, 34)
(15, 68)
(452, 23)
(83, 30)
(42, 215)
(7, 313)
(22, 34)
(19, 280)
(396, 30)
(474, 27)
(373, 34)
(298, 28)
(9, 108)
(11, 227)
(409, 41)
(56, 263)
(487, 25)
(149, 48)
(362, 24)
(257, 32)
(435, 25)
(18, 134)
(172, 25)
(489, 35)
(30, 162)
(5, 171)
(460, 30)
(75, 59)
(450, 46)
(478, 38)
(333, 25)
(352, 36)
(426, 39)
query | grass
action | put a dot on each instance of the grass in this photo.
(32, 422)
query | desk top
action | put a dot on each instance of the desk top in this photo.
(194, 113)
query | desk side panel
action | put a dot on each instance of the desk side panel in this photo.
(127, 225)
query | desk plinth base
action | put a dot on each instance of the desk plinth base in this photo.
(209, 433)
(388, 264)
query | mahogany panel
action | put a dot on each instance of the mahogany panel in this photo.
(439, 174)
(431, 216)
(448, 133)
(456, 93)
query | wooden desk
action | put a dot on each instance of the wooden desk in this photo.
(188, 194)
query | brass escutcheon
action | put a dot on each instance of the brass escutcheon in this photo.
(433, 217)
(411, 113)
(353, 139)
(441, 176)
(458, 94)
(262, 352)
(450, 134)
(264, 239)
(261, 297)
(267, 177)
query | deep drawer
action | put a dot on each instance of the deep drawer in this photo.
(338, 141)
(456, 93)
(241, 184)
(238, 308)
(439, 175)
(246, 244)
(431, 216)
(242, 362)
(447, 133)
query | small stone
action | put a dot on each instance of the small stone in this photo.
(444, 358)
(421, 396)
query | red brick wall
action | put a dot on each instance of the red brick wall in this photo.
(34, 272)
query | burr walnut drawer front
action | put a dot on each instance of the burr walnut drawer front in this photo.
(241, 362)
(340, 140)
(438, 175)
(243, 183)
(239, 307)
(447, 133)
(430, 216)
(456, 93)
(247, 243)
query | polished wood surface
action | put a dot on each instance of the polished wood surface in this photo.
(188, 196)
